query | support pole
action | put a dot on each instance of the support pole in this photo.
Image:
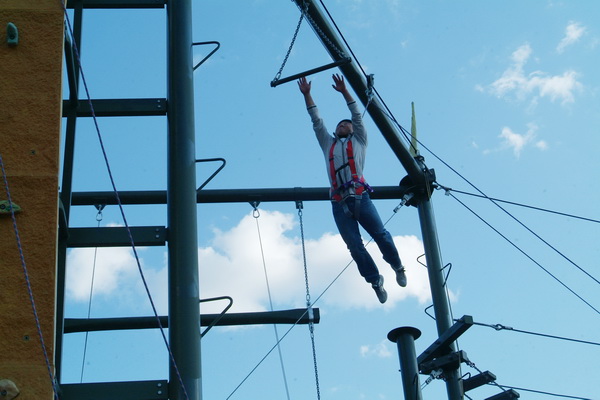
(184, 309)
(441, 306)
(67, 181)
(405, 338)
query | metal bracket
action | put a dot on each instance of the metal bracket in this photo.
(214, 173)
(449, 361)
(418, 192)
(209, 54)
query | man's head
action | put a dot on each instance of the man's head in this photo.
(344, 128)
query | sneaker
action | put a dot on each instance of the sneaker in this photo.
(379, 290)
(400, 276)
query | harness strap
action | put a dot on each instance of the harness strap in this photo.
(357, 182)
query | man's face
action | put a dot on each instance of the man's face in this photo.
(344, 129)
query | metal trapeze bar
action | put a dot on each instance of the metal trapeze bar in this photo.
(338, 63)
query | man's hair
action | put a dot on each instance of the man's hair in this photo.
(344, 120)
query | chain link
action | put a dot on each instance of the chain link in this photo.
(278, 75)
(311, 325)
(325, 38)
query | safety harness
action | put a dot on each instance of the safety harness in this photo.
(357, 182)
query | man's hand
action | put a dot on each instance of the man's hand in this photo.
(304, 85)
(339, 84)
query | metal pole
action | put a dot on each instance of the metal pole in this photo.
(184, 310)
(405, 338)
(67, 188)
(441, 306)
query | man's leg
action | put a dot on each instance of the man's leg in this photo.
(370, 220)
(348, 228)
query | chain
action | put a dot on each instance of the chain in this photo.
(325, 38)
(278, 75)
(311, 326)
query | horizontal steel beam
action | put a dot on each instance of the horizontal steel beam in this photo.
(140, 390)
(117, 3)
(299, 316)
(225, 196)
(118, 107)
(117, 236)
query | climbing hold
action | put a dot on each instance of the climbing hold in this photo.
(8, 389)
(5, 207)
(12, 34)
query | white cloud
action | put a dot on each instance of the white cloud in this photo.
(538, 84)
(232, 265)
(379, 350)
(517, 142)
(573, 32)
(114, 267)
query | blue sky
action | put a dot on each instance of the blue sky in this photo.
(506, 94)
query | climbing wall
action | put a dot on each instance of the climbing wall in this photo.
(30, 117)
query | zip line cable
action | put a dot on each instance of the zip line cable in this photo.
(541, 239)
(120, 204)
(521, 205)
(256, 215)
(28, 282)
(500, 327)
(526, 255)
(547, 393)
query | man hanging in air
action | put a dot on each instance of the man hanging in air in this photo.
(351, 203)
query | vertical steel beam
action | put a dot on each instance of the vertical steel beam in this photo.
(405, 337)
(439, 296)
(67, 184)
(184, 309)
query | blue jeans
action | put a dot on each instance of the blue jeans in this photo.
(369, 219)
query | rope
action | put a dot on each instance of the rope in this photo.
(256, 215)
(120, 204)
(311, 327)
(27, 281)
